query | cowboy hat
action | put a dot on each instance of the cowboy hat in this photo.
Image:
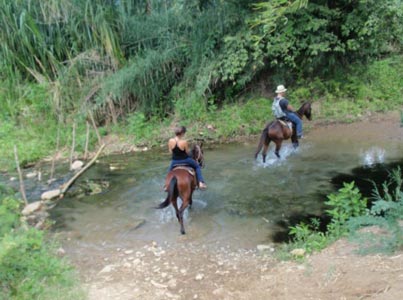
(280, 89)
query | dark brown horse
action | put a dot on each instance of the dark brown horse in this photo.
(277, 131)
(182, 182)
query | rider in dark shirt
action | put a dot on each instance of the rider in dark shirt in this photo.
(179, 148)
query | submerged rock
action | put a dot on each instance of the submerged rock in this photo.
(31, 174)
(76, 165)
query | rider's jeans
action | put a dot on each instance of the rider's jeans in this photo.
(296, 120)
(190, 162)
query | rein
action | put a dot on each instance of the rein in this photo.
(197, 155)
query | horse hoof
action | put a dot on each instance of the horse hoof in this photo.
(183, 232)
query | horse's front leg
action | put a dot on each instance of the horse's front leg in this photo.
(190, 202)
(294, 141)
(277, 150)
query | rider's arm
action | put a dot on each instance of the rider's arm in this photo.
(171, 145)
(290, 108)
(186, 147)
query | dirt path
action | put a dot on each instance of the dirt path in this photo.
(191, 270)
(155, 272)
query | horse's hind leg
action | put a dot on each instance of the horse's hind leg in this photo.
(184, 205)
(265, 148)
(175, 205)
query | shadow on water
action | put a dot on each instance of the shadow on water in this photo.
(365, 179)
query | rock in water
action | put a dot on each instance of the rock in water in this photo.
(31, 208)
(77, 165)
(48, 195)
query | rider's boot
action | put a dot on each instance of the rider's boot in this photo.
(202, 185)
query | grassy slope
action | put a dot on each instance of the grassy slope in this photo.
(378, 88)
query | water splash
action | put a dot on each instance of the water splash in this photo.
(373, 156)
(272, 160)
(168, 214)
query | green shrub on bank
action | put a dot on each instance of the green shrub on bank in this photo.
(386, 214)
(29, 268)
(349, 215)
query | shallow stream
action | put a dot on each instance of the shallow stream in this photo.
(246, 203)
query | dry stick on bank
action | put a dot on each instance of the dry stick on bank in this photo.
(87, 138)
(52, 170)
(71, 181)
(73, 145)
(95, 127)
(22, 188)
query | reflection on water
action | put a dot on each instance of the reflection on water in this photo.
(247, 202)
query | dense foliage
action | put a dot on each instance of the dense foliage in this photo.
(149, 55)
(141, 65)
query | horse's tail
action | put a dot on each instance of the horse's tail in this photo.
(263, 137)
(172, 191)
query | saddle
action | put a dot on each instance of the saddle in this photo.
(285, 122)
(190, 170)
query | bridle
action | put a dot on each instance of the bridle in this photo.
(305, 110)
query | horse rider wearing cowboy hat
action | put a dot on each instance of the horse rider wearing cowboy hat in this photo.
(281, 108)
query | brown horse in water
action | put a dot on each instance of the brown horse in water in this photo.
(182, 182)
(276, 131)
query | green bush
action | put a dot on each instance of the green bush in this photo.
(349, 213)
(345, 204)
(29, 268)
(9, 215)
(308, 236)
(386, 213)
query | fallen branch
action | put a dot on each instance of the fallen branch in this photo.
(67, 185)
(95, 127)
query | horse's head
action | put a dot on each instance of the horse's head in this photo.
(197, 154)
(306, 110)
